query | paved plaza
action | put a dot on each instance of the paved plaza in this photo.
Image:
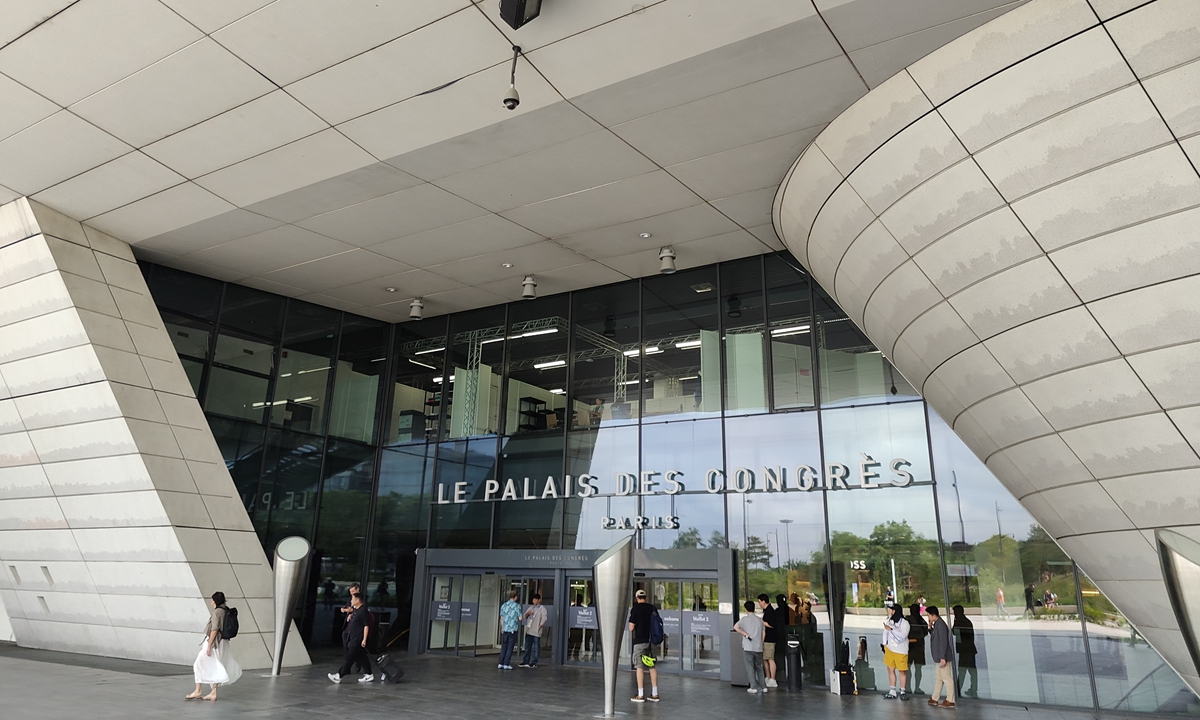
(56, 686)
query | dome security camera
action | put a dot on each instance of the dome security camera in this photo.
(512, 98)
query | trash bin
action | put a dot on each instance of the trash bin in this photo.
(793, 665)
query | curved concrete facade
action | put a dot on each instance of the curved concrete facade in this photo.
(1015, 221)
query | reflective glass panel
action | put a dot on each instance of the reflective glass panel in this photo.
(252, 311)
(677, 508)
(241, 447)
(190, 337)
(597, 515)
(537, 366)
(853, 371)
(475, 358)
(607, 360)
(362, 360)
(236, 394)
(680, 349)
(744, 339)
(531, 469)
(340, 543)
(186, 293)
(309, 339)
(417, 398)
(462, 468)
(244, 353)
(288, 491)
(789, 311)
(195, 373)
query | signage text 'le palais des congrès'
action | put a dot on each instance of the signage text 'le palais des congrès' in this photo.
(804, 478)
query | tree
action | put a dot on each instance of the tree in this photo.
(717, 540)
(689, 538)
(757, 552)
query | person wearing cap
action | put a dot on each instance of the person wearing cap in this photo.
(640, 616)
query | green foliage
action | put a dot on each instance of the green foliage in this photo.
(688, 539)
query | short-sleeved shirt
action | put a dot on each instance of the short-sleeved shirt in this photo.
(216, 620)
(769, 616)
(359, 619)
(752, 625)
(640, 615)
(535, 621)
(510, 616)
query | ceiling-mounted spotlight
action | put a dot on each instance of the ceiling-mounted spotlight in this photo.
(518, 12)
(512, 98)
(416, 309)
(666, 256)
(528, 288)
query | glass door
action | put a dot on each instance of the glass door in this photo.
(492, 593)
(443, 613)
(667, 597)
(468, 616)
(702, 641)
(545, 588)
(583, 635)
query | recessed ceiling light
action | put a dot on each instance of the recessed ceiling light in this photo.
(646, 235)
(506, 265)
(390, 289)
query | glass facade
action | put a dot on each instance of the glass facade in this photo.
(729, 406)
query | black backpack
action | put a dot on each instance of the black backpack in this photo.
(230, 628)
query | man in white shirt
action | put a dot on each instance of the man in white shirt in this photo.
(535, 619)
(895, 652)
(750, 627)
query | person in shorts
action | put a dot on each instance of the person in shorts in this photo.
(895, 653)
(639, 625)
(770, 621)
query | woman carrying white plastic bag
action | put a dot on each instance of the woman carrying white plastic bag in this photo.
(215, 664)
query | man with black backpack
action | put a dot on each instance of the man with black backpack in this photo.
(647, 627)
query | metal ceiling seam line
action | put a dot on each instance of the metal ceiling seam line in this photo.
(841, 47)
(41, 22)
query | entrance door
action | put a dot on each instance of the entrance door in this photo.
(583, 633)
(666, 595)
(701, 635)
(443, 613)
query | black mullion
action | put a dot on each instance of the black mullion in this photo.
(768, 349)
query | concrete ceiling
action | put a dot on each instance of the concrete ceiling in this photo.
(328, 151)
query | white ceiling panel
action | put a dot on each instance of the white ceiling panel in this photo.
(290, 39)
(637, 197)
(338, 270)
(57, 148)
(766, 235)
(456, 300)
(271, 250)
(792, 46)
(482, 235)
(332, 302)
(749, 209)
(513, 134)
(295, 165)
(744, 168)
(662, 34)
(7, 194)
(212, 15)
(483, 269)
(861, 23)
(162, 212)
(92, 44)
(265, 285)
(401, 68)
(22, 107)
(182, 89)
(411, 284)
(21, 16)
(192, 266)
(204, 233)
(560, 280)
(568, 167)
(692, 223)
(797, 100)
(705, 251)
(407, 212)
(470, 104)
(344, 190)
(883, 60)
(118, 182)
(243, 132)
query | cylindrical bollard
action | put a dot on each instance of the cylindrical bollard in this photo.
(793, 665)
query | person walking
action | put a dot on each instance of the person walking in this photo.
(641, 619)
(751, 627)
(939, 651)
(358, 630)
(215, 664)
(1029, 608)
(964, 642)
(895, 653)
(362, 664)
(1000, 609)
(917, 631)
(510, 623)
(770, 621)
(535, 618)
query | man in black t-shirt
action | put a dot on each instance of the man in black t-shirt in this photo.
(358, 629)
(770, 637)
(640, 617)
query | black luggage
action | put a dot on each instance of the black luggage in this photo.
(390, 670)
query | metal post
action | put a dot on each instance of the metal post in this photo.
(612, 576)
(291, 555)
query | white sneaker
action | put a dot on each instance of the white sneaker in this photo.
(367, 678)
(771, 683)
(334, 677)
(500, 667)
(751, 690)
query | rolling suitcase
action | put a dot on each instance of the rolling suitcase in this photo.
(390, 670)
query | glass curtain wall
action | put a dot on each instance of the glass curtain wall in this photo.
(726, 406)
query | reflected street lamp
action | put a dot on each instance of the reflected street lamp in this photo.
(778, 559)
(788, 533)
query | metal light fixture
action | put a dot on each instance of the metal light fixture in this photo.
(512, 98)
(528, 288)
(610, 327)
(734, 304)
(666, 256)
(416, 309)
(518, 12)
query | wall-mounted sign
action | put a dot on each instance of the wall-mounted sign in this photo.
(582, 617)
(802, 478)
